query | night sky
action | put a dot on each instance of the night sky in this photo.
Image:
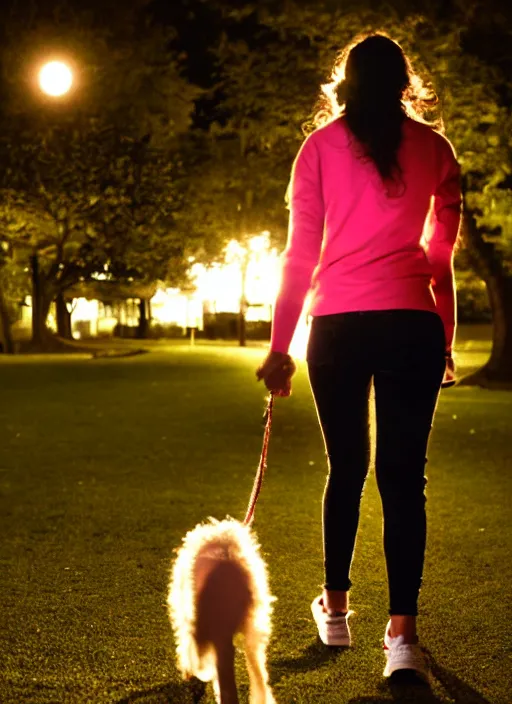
(199, 24)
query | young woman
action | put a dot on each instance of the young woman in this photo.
(374, 216)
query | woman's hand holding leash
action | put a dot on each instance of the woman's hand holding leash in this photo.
(277, 371)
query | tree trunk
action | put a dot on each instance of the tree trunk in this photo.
(143, 328)
(6, 342)
(242, 323)
(40, 305)
(497, 373)
(487, 262)
(63, 318)
(40, 333)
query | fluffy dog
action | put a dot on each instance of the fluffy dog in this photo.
(219, 588)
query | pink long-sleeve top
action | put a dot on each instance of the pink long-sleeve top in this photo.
(355, 244)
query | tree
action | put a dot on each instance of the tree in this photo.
(240, 185)
(97, 169)
(473, 79)
(6, 284)
(146, 242)
(231, 195)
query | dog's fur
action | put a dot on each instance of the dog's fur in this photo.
(219, 588)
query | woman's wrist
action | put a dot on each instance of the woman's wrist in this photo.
(282, 359)
(279, 355)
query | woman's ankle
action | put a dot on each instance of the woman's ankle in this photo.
(404, 625)
(334, 600)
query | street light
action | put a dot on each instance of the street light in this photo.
(55, 79)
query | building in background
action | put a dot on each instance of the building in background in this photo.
(248, 275)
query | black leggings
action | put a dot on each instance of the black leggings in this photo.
(403, 352)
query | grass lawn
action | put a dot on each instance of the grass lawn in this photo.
(106, 463)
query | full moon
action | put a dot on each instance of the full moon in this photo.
(55, 79)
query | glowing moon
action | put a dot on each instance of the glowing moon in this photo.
(55, 79)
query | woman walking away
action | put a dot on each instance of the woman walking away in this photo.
(374, 216)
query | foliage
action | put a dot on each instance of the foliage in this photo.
(472, 299)
(90, 181)
(230, 194)
(14, 285)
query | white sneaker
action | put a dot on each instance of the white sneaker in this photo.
(332, 629)
(403, 656)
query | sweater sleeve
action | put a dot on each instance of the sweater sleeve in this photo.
(445, 229)
(302, 252)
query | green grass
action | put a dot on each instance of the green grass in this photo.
(105, 464)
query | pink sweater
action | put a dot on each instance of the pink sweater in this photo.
(354, 246)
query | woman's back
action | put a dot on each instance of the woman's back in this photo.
(372, 256)
(358, 242)
(374, 198)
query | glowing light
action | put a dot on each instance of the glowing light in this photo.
(299, 343)
(172, 307)
(55, 79)
(250, 271)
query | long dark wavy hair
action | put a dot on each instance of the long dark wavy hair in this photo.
(374, 87)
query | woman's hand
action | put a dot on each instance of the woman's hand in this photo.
(450, 378)
(277, 371)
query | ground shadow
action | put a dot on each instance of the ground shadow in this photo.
(406, 688)
(458, 690)
(403, 688)
(189, 692)
(313, 657)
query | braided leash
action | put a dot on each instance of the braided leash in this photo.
(258, 480)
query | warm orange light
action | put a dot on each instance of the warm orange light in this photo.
(55, 79)
(250, 270)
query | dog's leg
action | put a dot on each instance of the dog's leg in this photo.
(225, 653)
(255, 657)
